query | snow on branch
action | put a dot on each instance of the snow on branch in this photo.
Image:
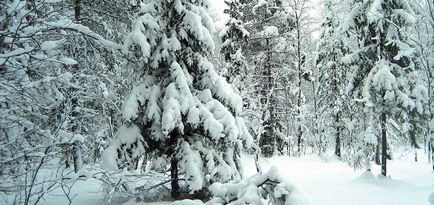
(256, 190)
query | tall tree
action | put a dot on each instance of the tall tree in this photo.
(234, 35)
(301, 65)
(332, 76)
(384, 61)
(267, 21)
(183, 114)
(423, 40)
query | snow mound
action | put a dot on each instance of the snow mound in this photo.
(366, 176)
(258, 190)
(431, 198)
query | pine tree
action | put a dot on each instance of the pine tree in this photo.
(332, 77)
(233, 37)
(384, 62)
(182, 114)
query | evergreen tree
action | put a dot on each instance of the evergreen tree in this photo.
(384, 62)
(332, 77)
(182, 114)
(233, 37)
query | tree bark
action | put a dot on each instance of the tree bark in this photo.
(338, 137)
(77, 9)
(78, 163)
(413, 129)
(174, 177)
(377, 152)
(383, 144)
(300, 131)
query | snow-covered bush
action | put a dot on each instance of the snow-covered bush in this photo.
(267, 188)
(33, 82)
(37, 128)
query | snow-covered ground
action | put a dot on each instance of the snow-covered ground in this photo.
(323, 182)
(336, 183)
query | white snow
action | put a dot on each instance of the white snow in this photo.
(191, 165)
(258, 5)
(68, 61)
(269, 31)
(67, 137)
(49, 45)
(324, 181)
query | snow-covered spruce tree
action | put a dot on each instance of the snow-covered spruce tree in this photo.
(331, 77)
(234, 35)
(182, 115)
(384, 61)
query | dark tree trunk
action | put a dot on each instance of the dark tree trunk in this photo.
(77, 9)
(377, 152)
(383, 144)
(338, 136)
(77, 156)
(413, 129)
(300, 131)
(67, 165)
(271, 125)
(267, 141)
(431, 144)
(174, 177)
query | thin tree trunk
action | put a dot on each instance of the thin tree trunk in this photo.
(77, 9)
(338, 137)
(300, 131)
(78, 162)
(174, 177)
(383, 144)
(316, 130)
(271, 102)
(413, 129)
(377, 152)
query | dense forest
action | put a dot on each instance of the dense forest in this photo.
(154, 101)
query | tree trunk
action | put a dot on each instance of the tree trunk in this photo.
(413, 129)
(300, 132)
(338, 137)
(174, 177)
(377, 152)
(383, 144)
(77, 9)
(78, 162)
(316, 130)
(271, 124)
(299, 69)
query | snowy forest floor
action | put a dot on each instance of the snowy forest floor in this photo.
(324, 182)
